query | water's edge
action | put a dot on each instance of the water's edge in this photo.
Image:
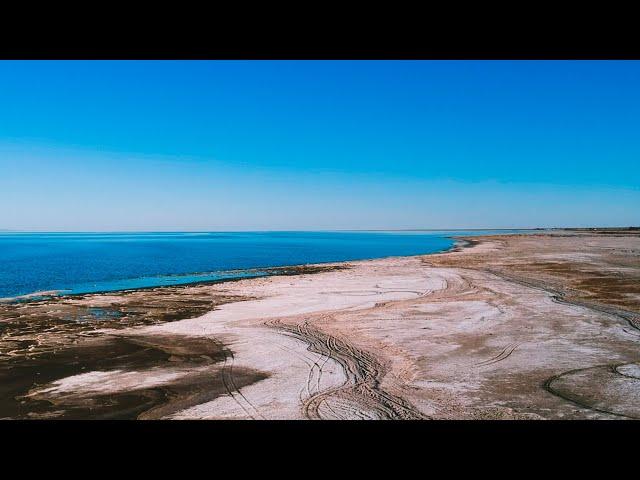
(217, 277)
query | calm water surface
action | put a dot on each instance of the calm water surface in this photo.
(71, 263)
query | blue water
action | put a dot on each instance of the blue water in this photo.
(75, 263)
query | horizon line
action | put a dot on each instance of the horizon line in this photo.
(326, 230)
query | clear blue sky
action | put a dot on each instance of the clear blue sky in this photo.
(318, 145)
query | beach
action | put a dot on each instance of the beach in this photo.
(537, 326)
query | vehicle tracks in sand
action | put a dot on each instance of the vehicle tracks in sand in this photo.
(598, 375)
(577, 385)
(314, 377)
(361, 394)
(231, 387)
(560, 296)
(503, 355)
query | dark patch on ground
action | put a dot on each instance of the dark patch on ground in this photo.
(22, 379)
(583, 282)
(28, 329)
(606, 230)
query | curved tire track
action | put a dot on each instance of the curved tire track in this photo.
(503, 355)
(560, 296)
(576, 399)
(361, 395)
(231, 387)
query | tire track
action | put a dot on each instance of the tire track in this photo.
(315, 371)
(301, 396)
(548, 385)
(560, 296)
(230, 385)
(616, 369)
(503, 355)
(361, 394)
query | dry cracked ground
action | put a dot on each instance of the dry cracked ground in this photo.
(534, 326)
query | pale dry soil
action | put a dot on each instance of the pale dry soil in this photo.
(536, 326)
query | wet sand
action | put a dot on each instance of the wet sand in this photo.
(537, 326)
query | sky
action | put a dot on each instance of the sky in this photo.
(318, 145)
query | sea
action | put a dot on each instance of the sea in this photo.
(40, 264)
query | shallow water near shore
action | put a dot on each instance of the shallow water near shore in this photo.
(45, 264)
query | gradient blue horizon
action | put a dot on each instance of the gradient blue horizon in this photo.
(318, 145)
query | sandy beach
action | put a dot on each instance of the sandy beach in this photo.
(535, 326)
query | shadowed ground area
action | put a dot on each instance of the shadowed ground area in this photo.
(169, 374)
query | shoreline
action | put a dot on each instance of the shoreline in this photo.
(50, 294)
(458, 244)
(451, 335)
(42, 296)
